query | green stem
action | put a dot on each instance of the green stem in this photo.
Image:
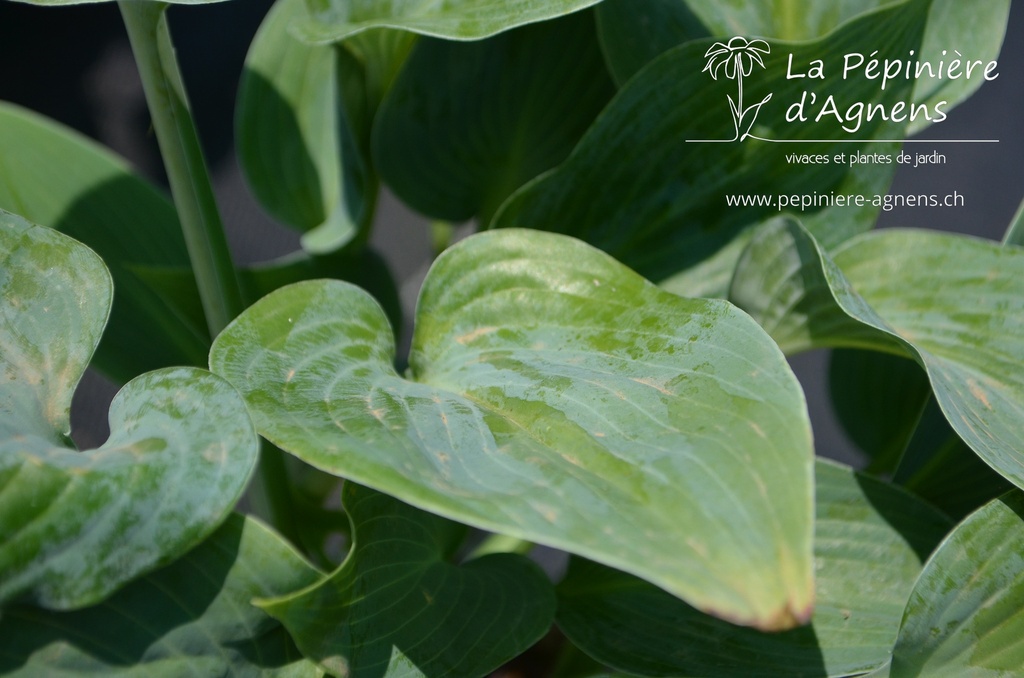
(150, 37)
(183, 159)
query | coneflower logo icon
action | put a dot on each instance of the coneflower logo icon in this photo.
(736, 60)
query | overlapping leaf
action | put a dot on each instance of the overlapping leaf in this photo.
(870, 542)
(955, 304)
(638, 187)
(335, 20)
(194, 617)
(965, 616)
(555, 396)
(53, 176)
(634, 32)
(465, 124)
(399, 607)
(75, 526)
(300, 146)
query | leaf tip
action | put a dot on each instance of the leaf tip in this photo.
(792, 615)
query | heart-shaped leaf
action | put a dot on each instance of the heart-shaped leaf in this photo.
(465, 124)
(870, 542)
(53, 176)
(335, 20)
(399, 607)
(300, 147)
(193, 617)
(646, 185)
(555, 396)
(634, 32)
(965, 616)
(75, 526)
(954, 304)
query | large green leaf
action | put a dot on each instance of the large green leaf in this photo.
(55, 301)
(634, 32)
(870, 542)
(465, 124)
(639, 188)
(75, 526)
(335, 20)
(297, 144)
(399, 607)
(556, 396)
(191, 618)
(965, 616)
(954, 304)
(52, 176)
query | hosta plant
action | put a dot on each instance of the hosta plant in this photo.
(601, 369)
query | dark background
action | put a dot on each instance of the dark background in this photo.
(74, 64)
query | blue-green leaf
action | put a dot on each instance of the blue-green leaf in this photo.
(965, 616)
(555, 396)
(952, 303)
(76, 526)
(299, 144)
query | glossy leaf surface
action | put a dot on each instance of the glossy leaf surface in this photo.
(646, 184)
(555, 396)
(53, 176)
(399, 607)
(465, 124)
(194, 617)
(75, 525)
(954, 304)
(335, 20)
(301, 153)
(870, 542)
(966, 613)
